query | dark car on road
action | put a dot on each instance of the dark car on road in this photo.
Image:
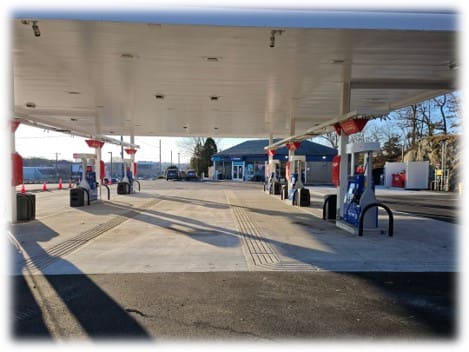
(191, 175)
(172, 174)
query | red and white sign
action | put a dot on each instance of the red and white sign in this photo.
(293, 145)
(130, 151)
(94, 143)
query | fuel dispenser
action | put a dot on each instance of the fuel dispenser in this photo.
(87, 185)
(126, 185)
(273, 183)
(361, 190)
(296, 191)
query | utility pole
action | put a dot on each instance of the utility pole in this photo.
(179, 161)
(56, 167)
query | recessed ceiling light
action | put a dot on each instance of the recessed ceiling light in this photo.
(73, 119)
(72, 92)
(111, 132)
(127, 56)
(185, 127)
(212, 58)
(215, 128)
(336, 61)
(30, 105)
(214, 98)
(159, 96)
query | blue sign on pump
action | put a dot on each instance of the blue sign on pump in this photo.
(91, 179)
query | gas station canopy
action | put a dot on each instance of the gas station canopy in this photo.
(233, 74)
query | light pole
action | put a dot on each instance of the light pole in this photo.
(110, 176)
(179, 161)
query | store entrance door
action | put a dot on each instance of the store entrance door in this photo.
(237, 171)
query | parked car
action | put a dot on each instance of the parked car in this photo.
(191, 175)
(172, 174)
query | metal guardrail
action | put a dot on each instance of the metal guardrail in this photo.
(108, 192)
(369, 206)
(87, 194)
(327, 199)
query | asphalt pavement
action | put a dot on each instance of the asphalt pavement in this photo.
(239, 306)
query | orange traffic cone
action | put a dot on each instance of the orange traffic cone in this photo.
(23, 190)
(60, 183)
(44, 186)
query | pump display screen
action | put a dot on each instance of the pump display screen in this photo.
(351, 191)
(75, 169)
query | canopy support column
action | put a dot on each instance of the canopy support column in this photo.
(12, 128)
(343, 140)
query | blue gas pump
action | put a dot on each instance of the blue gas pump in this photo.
(361, 190)
(131, 180)
(91, 180)
(293, 182)
(297, 178)
(88, 175)
(352, 209)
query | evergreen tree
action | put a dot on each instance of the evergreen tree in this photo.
(201, 157)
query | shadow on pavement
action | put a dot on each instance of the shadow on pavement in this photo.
(99, 316)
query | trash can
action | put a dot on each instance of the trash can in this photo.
(305, 197)
(77, 197)
(123, 188)
(329, 208)
(25, 206)
(276, 187)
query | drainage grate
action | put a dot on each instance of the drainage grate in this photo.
(259, 250)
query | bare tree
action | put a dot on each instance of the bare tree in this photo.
(448, 107)
(331, 138)
(188, 145)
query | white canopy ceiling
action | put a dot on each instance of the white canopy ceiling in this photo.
(148, 78)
